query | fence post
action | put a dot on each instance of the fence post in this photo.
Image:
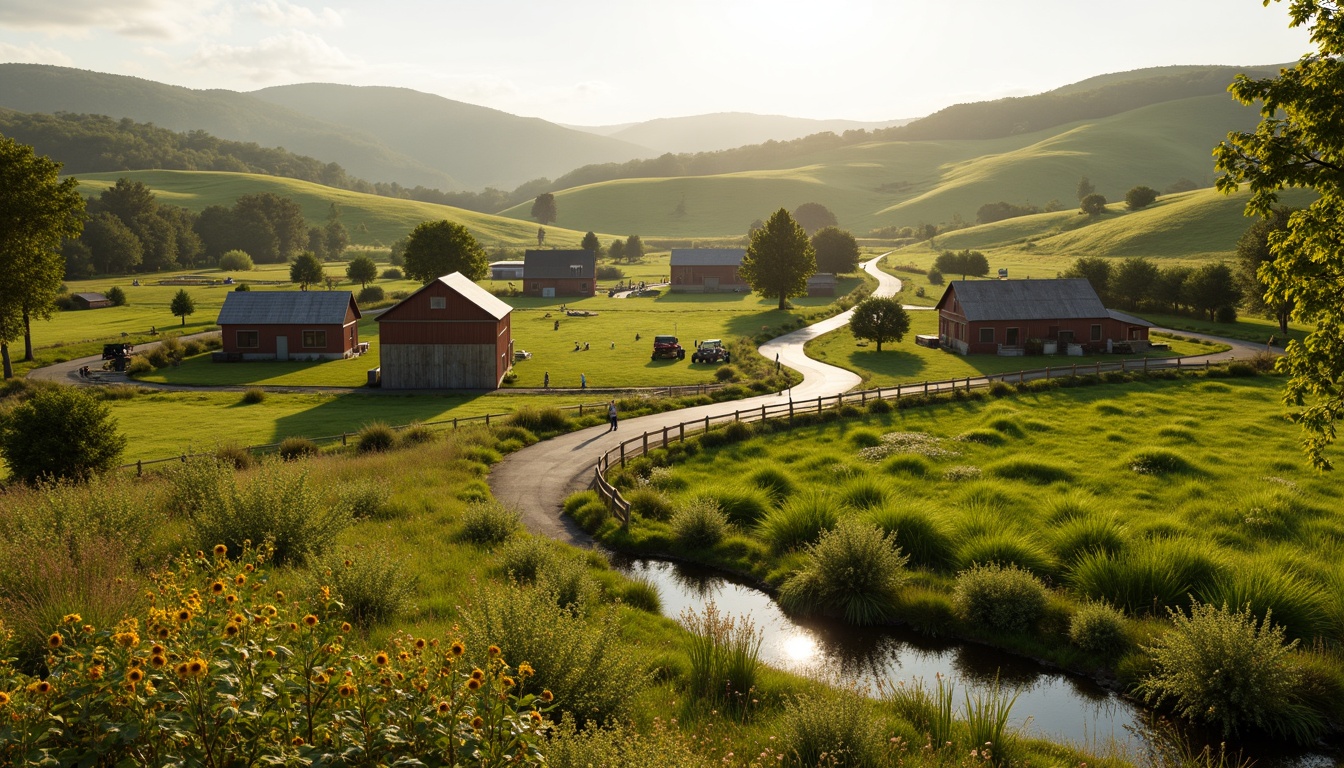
(139, 468)
(1075, 369)
(762, 411)
(646, 442)
(790, 409)
(1022, 375)
(706, 422)
(487, 419)
(1047, 373)
(818, 403)
(1206, 364)
(926, 386)
(665, 437)
(682, 427)
(1178, 363)
(454, 422)
(1145, 365)
(622, 455)
(342, 439)
(184, 458)
(737, 415)
(580, 409)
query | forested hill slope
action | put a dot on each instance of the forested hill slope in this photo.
(726, 130)
(479, 146)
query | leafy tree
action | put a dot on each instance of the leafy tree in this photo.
(306, 270)
(1253, 256)
(113, 247)
(879, 319)
(837, 250)
(935, 276)
(1212, 287)
(37, 211)
(317, 243)
(1133, 281)
(116, 295)
(269, 227)
(128, 200)
(335, 238)
(591, 243)
(1181, 185)
(992, 212)
(1085, 188)
(60, 434)
(813, 216)
(966, 263)
(1096, 271)
(779, 259)
(235, 261)
(78, 258)
(1169, 288)
(182, 305)
(438, 248)
(543, 209)
(1140, 197)
(1093, 205)
(541, 236)
(617, 250)
(362, 270)
(634, 249)
(215, 228)
(398, 255)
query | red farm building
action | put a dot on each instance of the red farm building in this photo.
(289, 325)
(1011, 317)
(707, 270)
(559, 273)
(450, 334)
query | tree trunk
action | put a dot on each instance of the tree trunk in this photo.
(879, 345)
(184, 321)
(782, 300)
(4, 355)
(1283, 325)
(27, 339)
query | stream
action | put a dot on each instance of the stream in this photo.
(1051, 704)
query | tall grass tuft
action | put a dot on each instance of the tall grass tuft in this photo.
(1088, 534)
(540, 420)
(918, 532)
(1301, 607)
(997, 597)
(743, 505)
(1146, 579)
(862, 493)
(489, 522)
(775, 482)
(1006, 548)
(1160, 461)
(375, 437)
(725, 656)
(800, 522)
(641, 593)
(699, 524)
(830, 729)
(295, 448)
(365, 497)
(930, 711)
(650, 504)
(372, 586)
(854, 571)
(1029, 471)
(254, 395)
(987, 713)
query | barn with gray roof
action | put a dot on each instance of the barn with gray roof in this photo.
(1009, 316)
(289, 325)
(707, 270)
(548, 274)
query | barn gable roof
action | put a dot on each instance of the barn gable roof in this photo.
(90, 296)
(1128, 318)
(990, 300)
(464, 287)
(558, 264)
(707, 257)
(287, 308)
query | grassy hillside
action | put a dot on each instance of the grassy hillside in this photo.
(726, 130)
(370, 219)
(906, 183)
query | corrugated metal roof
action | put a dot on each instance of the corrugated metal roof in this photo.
(477, 295)
(989, 300)
(1128, 318)
(91, 296)
(558, 264)
(286, 308)
(708, 257)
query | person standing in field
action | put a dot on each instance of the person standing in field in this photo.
(583, 381)
(611, 415)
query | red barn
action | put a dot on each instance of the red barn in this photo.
(559, 273)
(1002, 316)
(289, 325)
(450, 334)
(706, 270)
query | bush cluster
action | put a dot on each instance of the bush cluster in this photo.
(699, 524)
(1006, 598)
(489, 522)
(854, 571)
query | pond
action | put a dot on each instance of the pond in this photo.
(1051, 704)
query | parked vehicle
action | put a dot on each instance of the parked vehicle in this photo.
(116, 351)
(710, 351)
(667, 348)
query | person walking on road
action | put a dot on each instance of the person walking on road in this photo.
(546, 380)
(583, 381)
(611, 415)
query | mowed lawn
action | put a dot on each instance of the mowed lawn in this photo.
(906, 362)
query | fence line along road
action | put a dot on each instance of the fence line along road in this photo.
(640, 445)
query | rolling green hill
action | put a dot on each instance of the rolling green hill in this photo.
(369, 218)
(726, 130)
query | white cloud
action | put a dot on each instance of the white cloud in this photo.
(285, 57)
(147, 19)
(281, 13)
(33, 54)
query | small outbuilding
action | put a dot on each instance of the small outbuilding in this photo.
(707, 270)
(289, 325)
(506, 270)
(1011, 317)
(450, 334)
(91, 300)
(547, 274)
(822, 284)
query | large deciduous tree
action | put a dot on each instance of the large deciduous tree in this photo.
(779, 259)
(617, 250)
(966, 263)
(1093, 205)
(591, 243)
(1133, 281)
(813, 216)
(37, 211)
(306, 270)
(837, 250)
(879, 319)
(634, 249)
(1096, 271)
(1212, 287)
(543, 209)
(438, 248)
(1300, 143)
(362, 270)
(1140, 197)
(60, 434)
(1253, 254)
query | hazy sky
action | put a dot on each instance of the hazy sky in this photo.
(612, 61)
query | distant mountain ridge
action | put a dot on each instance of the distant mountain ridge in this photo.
(727, 130)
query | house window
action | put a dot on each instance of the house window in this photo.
(536, 286)
(986, 335)
(314, 339)
(438, 302)
(248, 340)
(1096, 332)
(583, 286)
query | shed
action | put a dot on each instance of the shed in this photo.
(91, 300)
(706, 270)
(450, 334)
(1011, 316)
(821, 284)
(289, 325)
(559, 273)
(506, 270)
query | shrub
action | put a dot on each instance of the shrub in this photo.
(392, 274)
(918, 533)
(1099, 629)
(60, 433)
(1226, 314)
(799, 522)
(116, 295)
(524, 557)
(1160, 461)
(1241, 370)
(862, 493)
(294, 448)
(489, 522)
(727, 373)
(372, 586)
(879, 406)
(725, 656)
(375, 437)
(934, 276)
(235, 261)
(699, 524)
(641, 593)
(996, 597)
(650, 504)
(854, 570)
(609, 272)
(1229, 670)
(539, 420)
(192, 348)
(416, 433)
(775, 482)
(371, 294)
(833, 729)
(366, 498)
(234, 455)
(139, 366)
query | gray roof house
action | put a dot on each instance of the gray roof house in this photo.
(706, 270)
(559, 273)
(283, 325)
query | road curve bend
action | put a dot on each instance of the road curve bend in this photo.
(537, 479)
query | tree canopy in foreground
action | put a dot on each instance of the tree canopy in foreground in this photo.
(879, 319)
(60, 434)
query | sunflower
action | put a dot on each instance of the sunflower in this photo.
(240, 579)
(310, 620)
(135, 675)
(345, 626)
(493, 651)
(346, 690)
(420, 644)
(157, 662)
(477, 674)
(380, 658)
(536, 717)
(457, 649)
(126, 639)
(96, 672)
(72, 618)
(4, 698)
(157, 650)
(184, 615)
(55, 640)
(230, 630)
(217, 587)
(182, 669)
(547, 696)
(221, 550)
(443, 706)
(43, 687)
(526, 670)
(474, 684)
(477, 722)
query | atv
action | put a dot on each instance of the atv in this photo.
(710, 351)
(667, 348)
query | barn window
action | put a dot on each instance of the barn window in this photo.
(536, 286)
(438, 302)
(1096, 332)
(583, 286)
(248, 340)
(986, 335)
(315, 339)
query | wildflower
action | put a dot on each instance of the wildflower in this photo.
(96, 672)
(346, 690)
(380, 658)
(184, 615)
(240, 579)
(310, 620)
(420, 644)
(249, 568)
(42, 686)
(221, 550)
(268, 610)
(457, 649)
(238, 618)
(270, 653)
(293, 626)
(279, 595)
(443, 706)
(157, 662)
(477, 722)
(157, 650)
(474, 684)
(135, 675)
(231, 630)
(182, 669)
(493, 651)
(72, 618)
(477, 674)
(322, 678)
(536, 717)
(547, 696)
(4, 698)
(55, 640)
(126, 639)
(297, 741)
(526, 670)
(404, 656)
(164, 632)
(508, 682)
(230, 599)
(217, 587)
(345, 626)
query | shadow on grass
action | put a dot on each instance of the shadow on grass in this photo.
(349, 412)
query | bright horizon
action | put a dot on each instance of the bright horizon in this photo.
(595, 62)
